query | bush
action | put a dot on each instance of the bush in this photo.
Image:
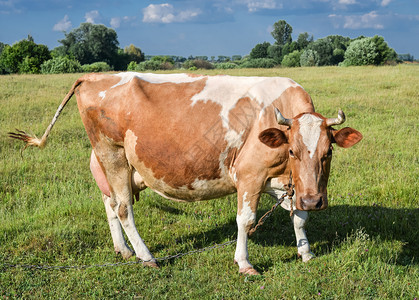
(258, 63)
(132, 66)
(360, 52)
(309, 58)
(60, 65)
(198, 64)
(152, 65)
(292, 60)
(226, 65)
(96, 67)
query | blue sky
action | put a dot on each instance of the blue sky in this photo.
(211, 28)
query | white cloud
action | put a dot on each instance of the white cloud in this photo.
(385, 2)
(347, 2)
(369, 20)
(63, 25)
(255, 5)
(166, 13)
(91, 16)
(115, 22)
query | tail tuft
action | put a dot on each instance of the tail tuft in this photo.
(28, 139)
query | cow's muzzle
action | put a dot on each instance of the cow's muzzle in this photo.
(312, 202)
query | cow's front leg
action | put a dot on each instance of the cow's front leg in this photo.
(246, 217)
(299, 218)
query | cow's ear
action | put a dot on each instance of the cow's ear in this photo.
(346, 137)
(273, 137)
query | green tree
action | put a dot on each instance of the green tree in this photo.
(361, 52)
(163, 59)
(384, 52)
(304, 40)
(134, 53)
(2, 47)
(91, 43)
(339, 42)
(275, 52)
(309, 58)
(260, 51)
(236, 57)
(324, 49)
(282, 32)
(24, 56)
(292, 60)
(289, 48)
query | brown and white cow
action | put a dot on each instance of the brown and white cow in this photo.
(191, 138)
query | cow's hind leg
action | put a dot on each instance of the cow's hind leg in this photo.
(119, 175)
(118, 238)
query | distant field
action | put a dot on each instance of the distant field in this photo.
(366, 242)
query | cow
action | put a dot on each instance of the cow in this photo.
(191, 137)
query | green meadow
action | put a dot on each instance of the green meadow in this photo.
(51, 212)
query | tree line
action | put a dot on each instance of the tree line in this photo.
(95, 48)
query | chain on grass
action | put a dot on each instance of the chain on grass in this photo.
(289, 193)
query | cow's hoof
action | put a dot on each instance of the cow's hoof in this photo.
(248, 271)
(307, 256)
(126, 253)
(151, 264)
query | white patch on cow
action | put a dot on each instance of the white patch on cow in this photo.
(244, 196)
(102, 94)
(244, 218)
(154, 78)
(227, 90)
(223, 90)
(233, 174)
(261, 113)
(234, 139)
(246, 215)
(310, 131)
(276, 189)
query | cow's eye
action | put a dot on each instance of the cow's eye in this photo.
(292, 153)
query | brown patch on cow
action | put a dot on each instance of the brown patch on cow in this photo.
(173, 141)
(123, 211)
(242, 116)
(97, 113)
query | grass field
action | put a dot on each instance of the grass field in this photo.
(51, 212)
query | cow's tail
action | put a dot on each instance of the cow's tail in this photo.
(30, 140)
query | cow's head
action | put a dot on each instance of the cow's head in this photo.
(310, 137)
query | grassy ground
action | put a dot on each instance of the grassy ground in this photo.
(51, 212)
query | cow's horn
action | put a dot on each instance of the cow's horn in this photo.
(281, 120)
(336, 121)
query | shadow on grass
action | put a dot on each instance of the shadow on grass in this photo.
(327, 230)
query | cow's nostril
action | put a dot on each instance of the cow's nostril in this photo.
(320, 203)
